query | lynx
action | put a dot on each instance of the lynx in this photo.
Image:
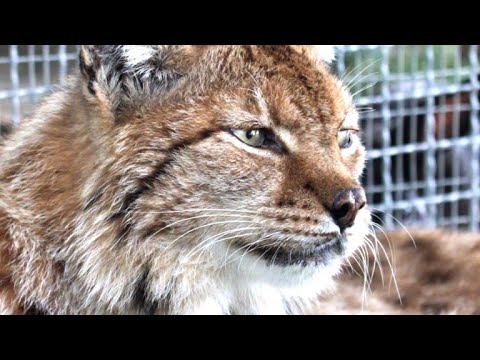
(183, 180)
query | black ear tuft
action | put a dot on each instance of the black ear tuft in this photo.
(89, 65)
(124, 73)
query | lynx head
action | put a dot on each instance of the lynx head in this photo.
(221, 155)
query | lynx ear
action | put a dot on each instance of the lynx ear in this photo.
(121, 74)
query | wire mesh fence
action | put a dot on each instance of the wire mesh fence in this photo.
(419, 107)
(29, 71)
(420, 114)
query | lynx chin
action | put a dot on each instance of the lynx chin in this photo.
(183, 180)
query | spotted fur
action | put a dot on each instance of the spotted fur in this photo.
(128, 193)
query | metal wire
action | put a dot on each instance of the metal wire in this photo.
(423, 133)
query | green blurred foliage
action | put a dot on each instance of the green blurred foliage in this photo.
(405, 62)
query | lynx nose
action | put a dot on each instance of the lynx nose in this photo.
(346, 205)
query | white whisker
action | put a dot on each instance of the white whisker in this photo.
(392, 269)
(207, 225)
(399, 222)
(196, 217)
(348, 84)
(366, 87)
(213, 240)
(203, 209)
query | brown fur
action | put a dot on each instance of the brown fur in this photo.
(91, 188)
(437, 273)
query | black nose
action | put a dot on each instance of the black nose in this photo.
(346, 205)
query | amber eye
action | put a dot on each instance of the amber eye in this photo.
(255, 137)
(344, 139)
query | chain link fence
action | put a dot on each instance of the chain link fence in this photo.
(419, 108)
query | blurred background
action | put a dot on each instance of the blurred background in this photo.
(419, 108)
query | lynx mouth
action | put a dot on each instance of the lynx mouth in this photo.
(314, 254)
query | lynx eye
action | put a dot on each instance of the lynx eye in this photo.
(344, 139)
(254, 137)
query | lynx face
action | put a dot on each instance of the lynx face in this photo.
(182, 179)
(229, 155)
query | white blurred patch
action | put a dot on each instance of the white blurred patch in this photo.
(137, 54)
(324, 52)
